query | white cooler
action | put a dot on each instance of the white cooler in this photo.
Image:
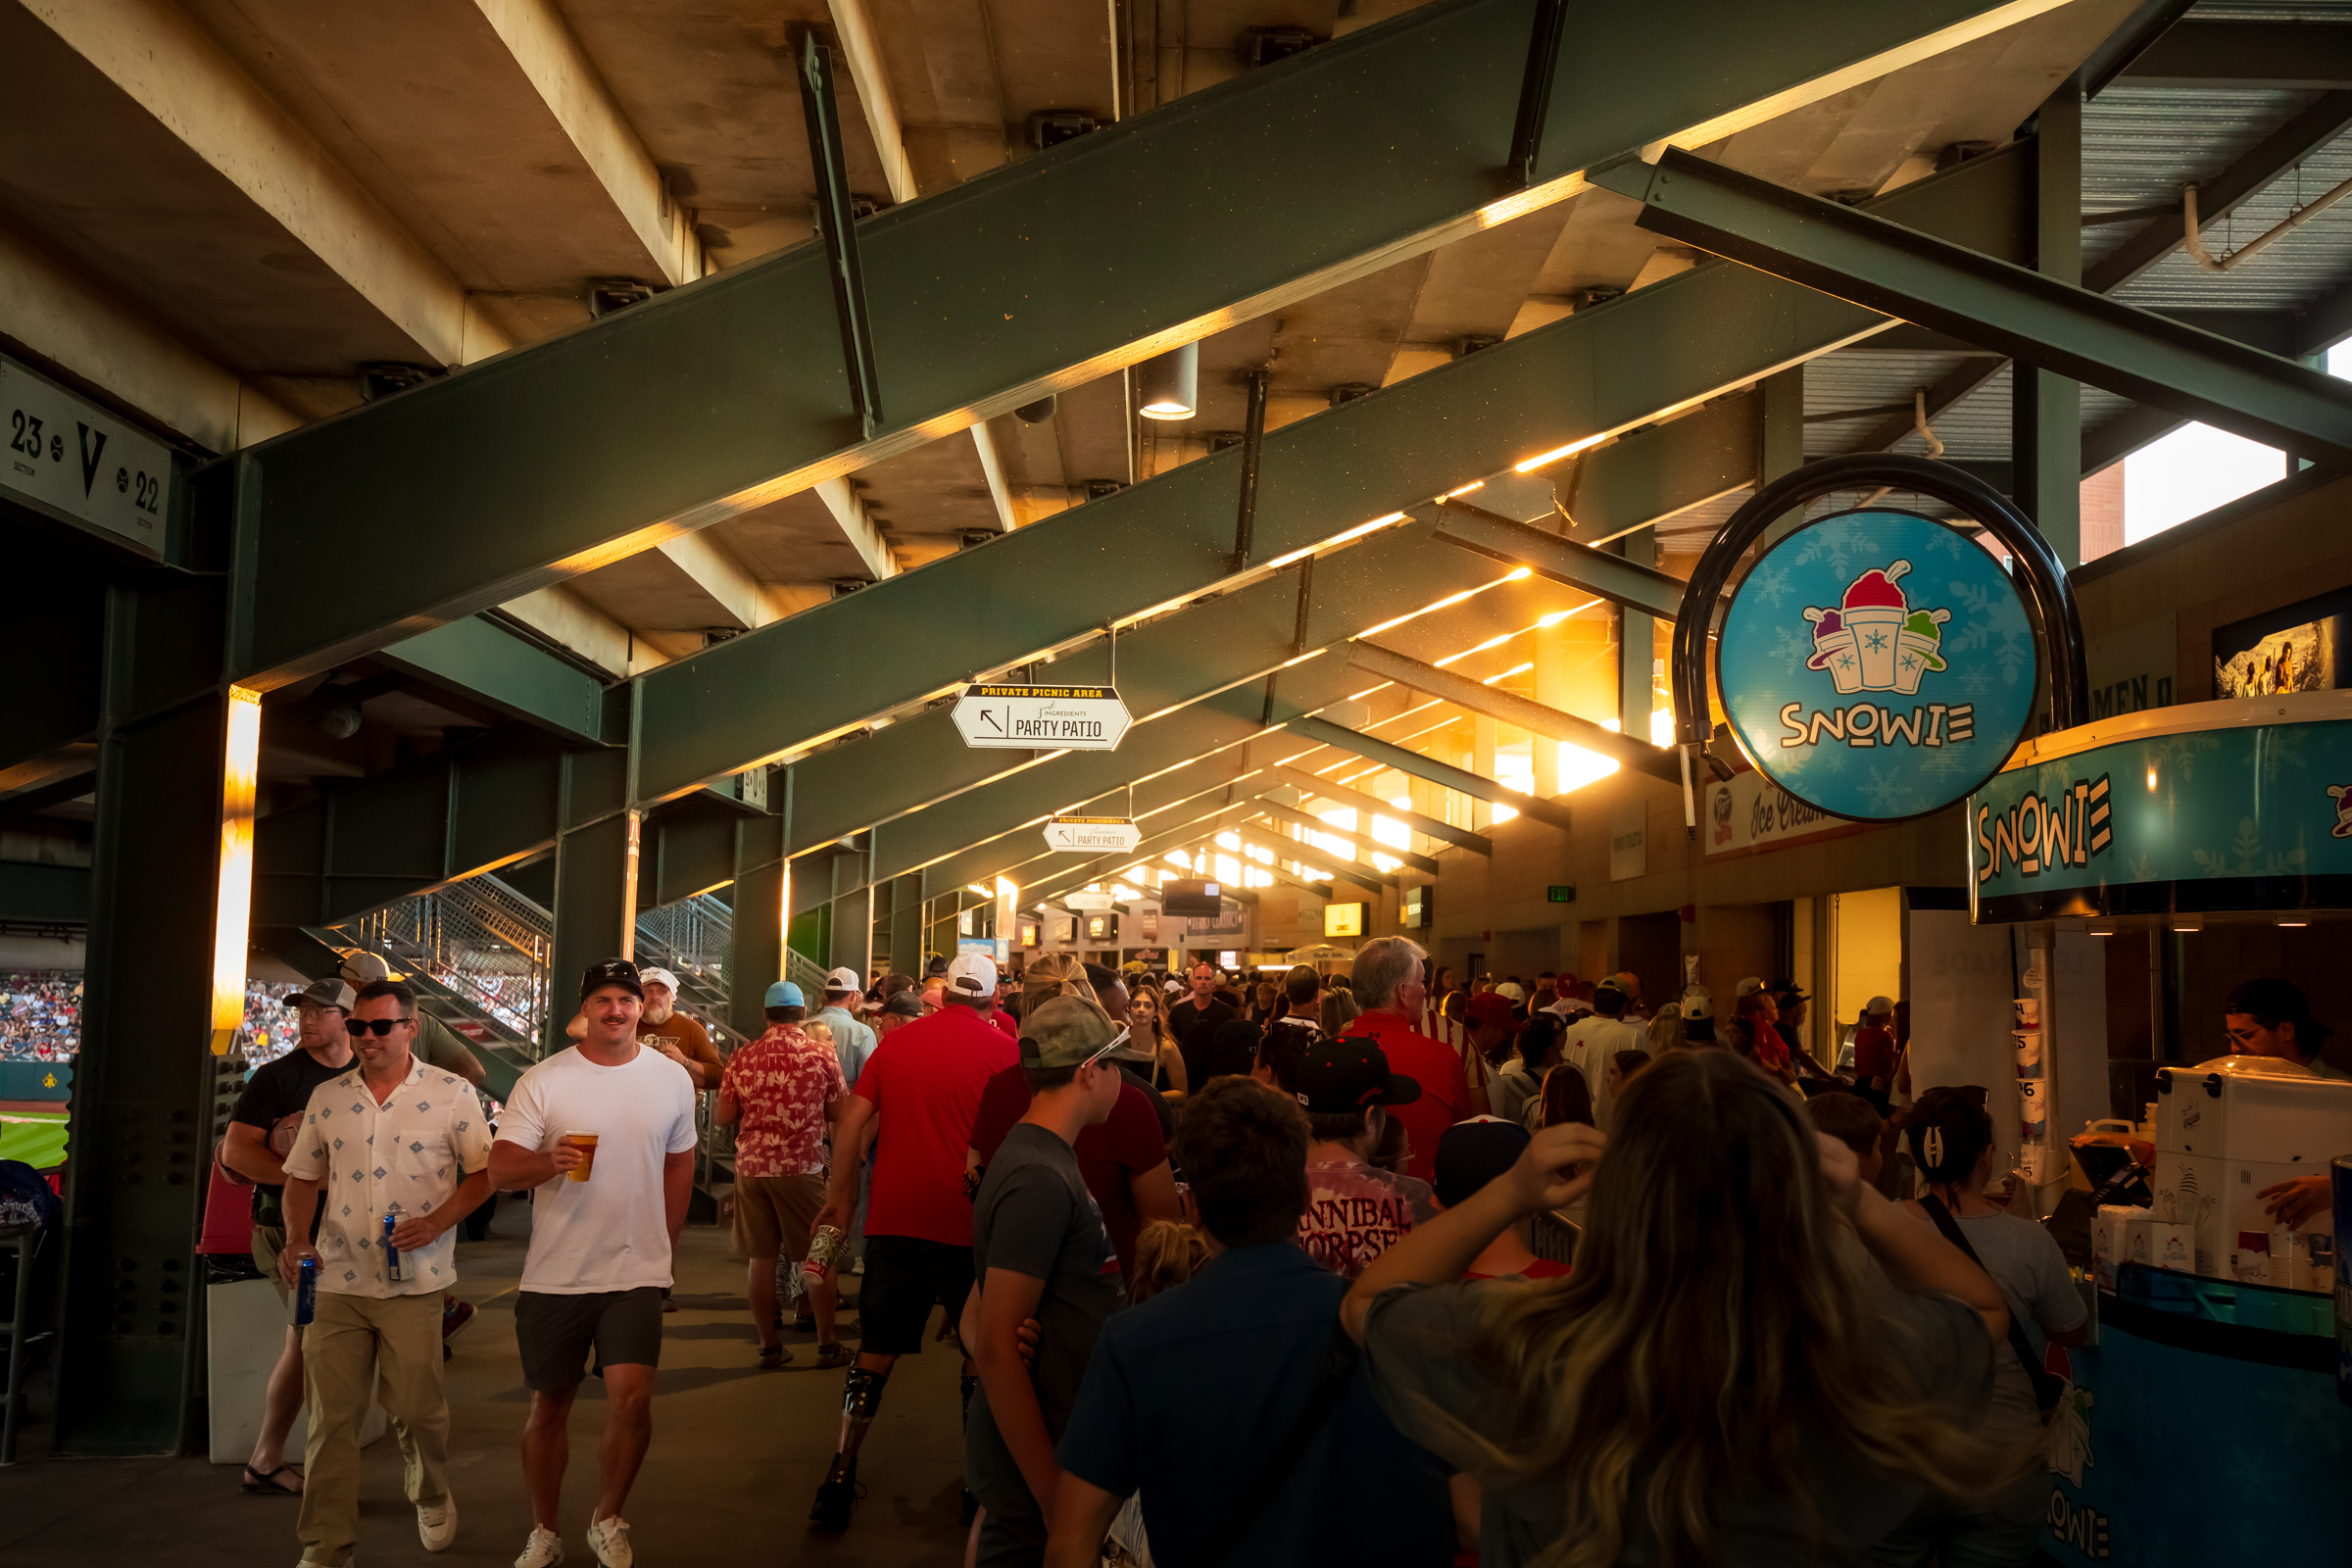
(2227, 1129)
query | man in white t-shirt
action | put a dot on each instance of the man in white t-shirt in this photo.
(1589, 1043)
(600, 1245)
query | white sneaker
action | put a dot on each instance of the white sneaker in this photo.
(437, 1523)
(544, 1549)
(608, 1539)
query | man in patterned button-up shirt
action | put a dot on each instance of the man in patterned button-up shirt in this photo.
(390, 1133)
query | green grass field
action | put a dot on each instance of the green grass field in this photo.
(38, 1140)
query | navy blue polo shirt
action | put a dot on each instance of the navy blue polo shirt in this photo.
(1189, 1396)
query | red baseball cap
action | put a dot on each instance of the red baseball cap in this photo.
(1488, 1007)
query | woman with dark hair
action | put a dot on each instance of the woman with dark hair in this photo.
(1717, 1381)
(1950, 1134)
(1517, 1083)
(2271, 1017)
(1147, 1021)
(1566, 1099)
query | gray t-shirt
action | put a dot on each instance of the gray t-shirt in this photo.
(1417, 1342)
(2025, 1261)
(1033, 1215)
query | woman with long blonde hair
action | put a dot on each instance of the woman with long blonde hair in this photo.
(1147, 1022)
(1716, 1383)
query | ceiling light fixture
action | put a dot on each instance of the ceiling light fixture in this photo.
(1168, 386)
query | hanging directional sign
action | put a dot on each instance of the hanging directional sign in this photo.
(1069, 718)
(1877, 664)
(1090, 902)
(1104, 834)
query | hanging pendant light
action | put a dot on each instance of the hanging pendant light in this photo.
(1168, 386)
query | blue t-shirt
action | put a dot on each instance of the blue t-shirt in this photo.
(1189, 1396)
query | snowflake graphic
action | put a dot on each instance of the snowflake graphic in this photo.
(1886, 792)
(2176, 756)
(2275, 750)
(1876, 642)
(2251, 858)
(1966, 634)
(2144, 870)
(1910, 660)
(1791, 650)
(2014, 655)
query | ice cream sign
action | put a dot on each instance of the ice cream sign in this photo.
(1877, 664)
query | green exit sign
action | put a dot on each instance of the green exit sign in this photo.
(1560, 895)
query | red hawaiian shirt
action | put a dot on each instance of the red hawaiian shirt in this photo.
(783, 1081)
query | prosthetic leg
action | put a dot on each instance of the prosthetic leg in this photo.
(861, 1398)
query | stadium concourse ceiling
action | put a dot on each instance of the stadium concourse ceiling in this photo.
(656, 483)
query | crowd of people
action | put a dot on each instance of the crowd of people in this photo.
(1233, 1277)
(40, 1014)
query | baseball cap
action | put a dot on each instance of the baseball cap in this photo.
(784, 994)
(1610, 983)
(844, 979)
(612, 972)
(974, 975)
(1748, 987)
(1697, 1005)
(366, 969)
(907, 1004)
(1064, 1031)
(1791, 990)
(1878, 1006)
(1513, 992)
(1339, 1076)
(663, 977)
(1473, 1152)
(323, 994)
(1490, 1006)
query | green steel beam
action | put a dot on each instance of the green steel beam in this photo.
(477, 658)
(2042, 322)
(1234, 201)
(2280, 56)
(72, 786)
(1608, 368)
(1656, 473)
(1444, 774)
(59, 629)
(1511, 709)
(53, 895)
(1359, 843)
(2045, 424)
(1427, 826)
(1549, 555)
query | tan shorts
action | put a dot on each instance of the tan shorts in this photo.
(268, 1242)
(774, 1214)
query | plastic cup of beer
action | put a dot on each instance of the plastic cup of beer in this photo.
(585, 1142)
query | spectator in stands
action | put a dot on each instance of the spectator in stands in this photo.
(1610, 1385)
(1040, 1253)
(1288, 1459)
(676, 1033)
(779, 1093)
(1546, 992)
(853, 1039)
(395, 1138)
(261, 1131)
(1388, 982)
(1197, 1019)
(1355, 1211)
(922, 1087)
(1471, 1155)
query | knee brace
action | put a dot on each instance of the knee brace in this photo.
(970, 1383)
(861, 1396)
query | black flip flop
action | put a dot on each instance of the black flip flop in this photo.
(266, 1486)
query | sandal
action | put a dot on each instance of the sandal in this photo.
(268, 1485)
(773, 1357)
(829, 1357)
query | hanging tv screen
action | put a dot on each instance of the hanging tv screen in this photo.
(1191, 898)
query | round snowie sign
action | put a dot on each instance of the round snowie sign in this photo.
(1877, 666)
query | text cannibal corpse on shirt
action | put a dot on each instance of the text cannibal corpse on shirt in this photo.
(1356, 1211)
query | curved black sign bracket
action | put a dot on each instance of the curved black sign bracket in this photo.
(2049, 599)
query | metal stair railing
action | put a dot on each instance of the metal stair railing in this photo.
(478, 944)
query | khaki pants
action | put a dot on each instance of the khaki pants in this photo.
(348, 1338)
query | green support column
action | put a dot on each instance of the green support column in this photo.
(595, 880)
(1637, 638)
(129, 1349)
(852, 934)
(1779, 439)
(905, 921)
(755, 941)
(2047, 409)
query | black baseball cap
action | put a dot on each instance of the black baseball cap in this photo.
(611, 972)
(1339, 1076)
(1473, 1152)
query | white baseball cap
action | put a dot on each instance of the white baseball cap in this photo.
(1748, 987)
(1878, 1007)
(972, 974)
(844, 979)
(659, 977)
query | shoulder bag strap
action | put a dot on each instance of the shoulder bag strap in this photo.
(1339, 1366)
(2046, 1388)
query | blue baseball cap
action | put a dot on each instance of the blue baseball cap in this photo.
(784, 994)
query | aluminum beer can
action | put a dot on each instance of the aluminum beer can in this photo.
(824, 1248)
(393, 1268)
(306, 1292)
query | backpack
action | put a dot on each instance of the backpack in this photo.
(25, 1197)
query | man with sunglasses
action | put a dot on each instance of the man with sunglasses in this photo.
(261, 1130)
(407, 1150)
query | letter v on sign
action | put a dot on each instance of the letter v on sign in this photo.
(90, 454)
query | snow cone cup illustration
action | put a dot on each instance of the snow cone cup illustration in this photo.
(1834, 650)
(1874, 612)
(1919, 649)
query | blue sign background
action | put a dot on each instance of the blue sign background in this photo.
(1905, 651)
(2248, 817)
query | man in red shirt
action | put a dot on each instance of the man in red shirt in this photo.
(1874, 1053)
(1389, 983)
(925, 1081)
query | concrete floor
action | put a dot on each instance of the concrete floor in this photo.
(737, 1454)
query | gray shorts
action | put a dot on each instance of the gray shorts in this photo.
(556, 1333)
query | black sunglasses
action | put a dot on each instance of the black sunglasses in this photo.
(380, 1026)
